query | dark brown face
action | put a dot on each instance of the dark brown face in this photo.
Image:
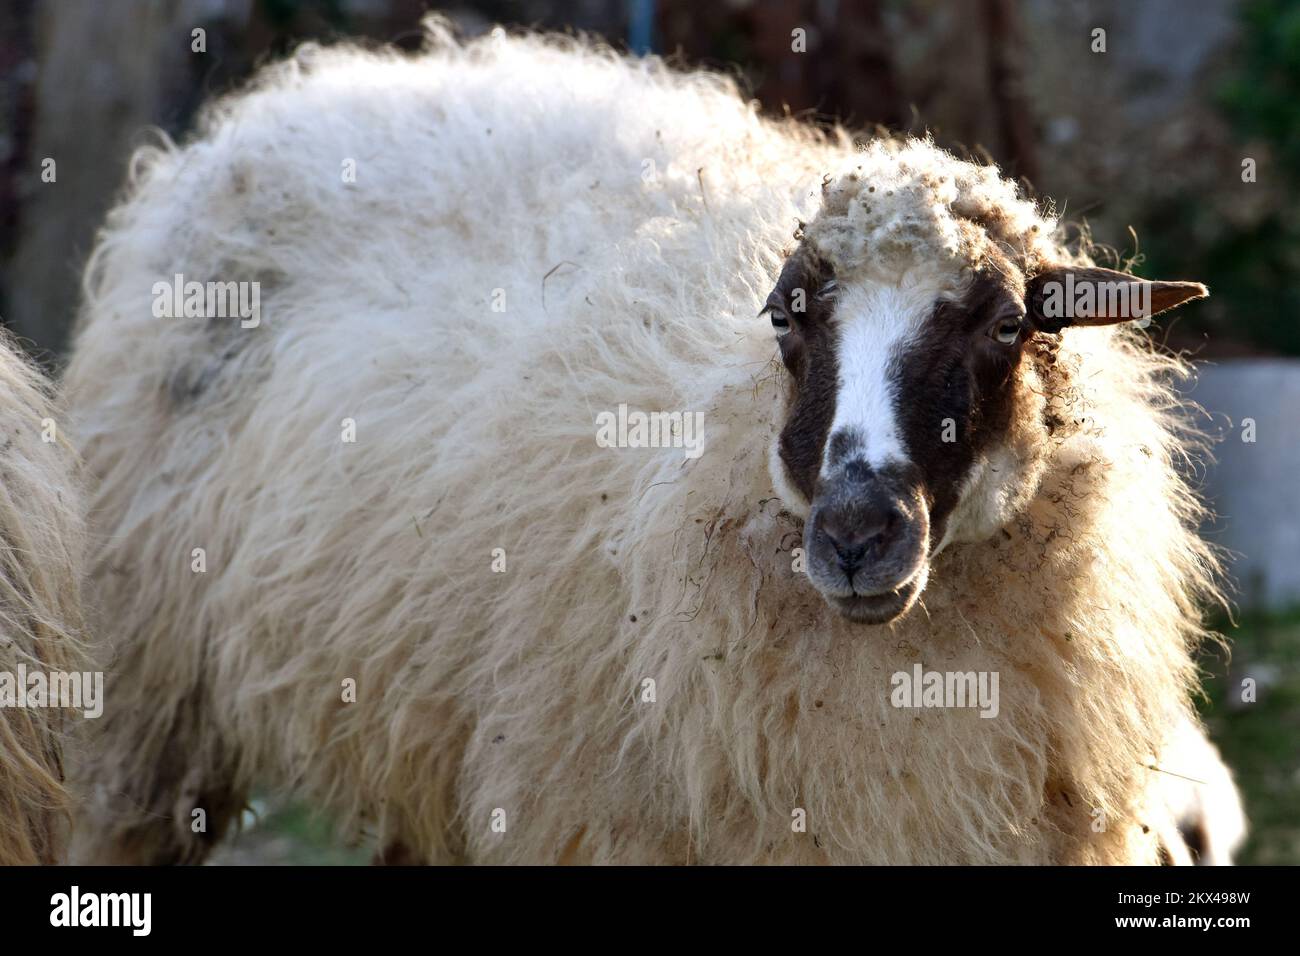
(904, 430)
(901, 396)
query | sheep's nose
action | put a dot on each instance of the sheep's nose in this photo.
(855, 534)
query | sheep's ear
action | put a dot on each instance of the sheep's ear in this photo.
(1070, 295)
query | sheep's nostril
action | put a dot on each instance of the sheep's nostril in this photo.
(858, 533)
(849, 559)
(854, 537)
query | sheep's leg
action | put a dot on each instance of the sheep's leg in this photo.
(396, 853)
(158, 789)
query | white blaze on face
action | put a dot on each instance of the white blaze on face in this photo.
(875, 324)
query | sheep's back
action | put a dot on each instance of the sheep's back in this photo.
(536, 233)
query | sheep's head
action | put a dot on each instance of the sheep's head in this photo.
(917, 320)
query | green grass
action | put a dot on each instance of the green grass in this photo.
(274, 835)
(1260, 741)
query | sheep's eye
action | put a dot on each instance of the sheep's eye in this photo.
(828, 290)
(1006, 331)
(780, 321)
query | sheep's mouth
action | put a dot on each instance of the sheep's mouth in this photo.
(877, 581)
(879, 608)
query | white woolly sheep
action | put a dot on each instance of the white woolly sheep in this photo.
(389, 479)
(41, 630)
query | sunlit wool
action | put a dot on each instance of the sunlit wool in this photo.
(41, 629)
(632, 220)
(1207, 810)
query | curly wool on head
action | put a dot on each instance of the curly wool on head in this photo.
(41, 627)
(900, 202)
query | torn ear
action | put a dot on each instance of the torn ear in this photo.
(1073, 295)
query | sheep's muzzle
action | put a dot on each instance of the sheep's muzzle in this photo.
(866, 539)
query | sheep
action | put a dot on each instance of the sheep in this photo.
(371, 546)
(1202, 801)
(42, 633)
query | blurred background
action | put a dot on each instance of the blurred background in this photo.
(1170, 129)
